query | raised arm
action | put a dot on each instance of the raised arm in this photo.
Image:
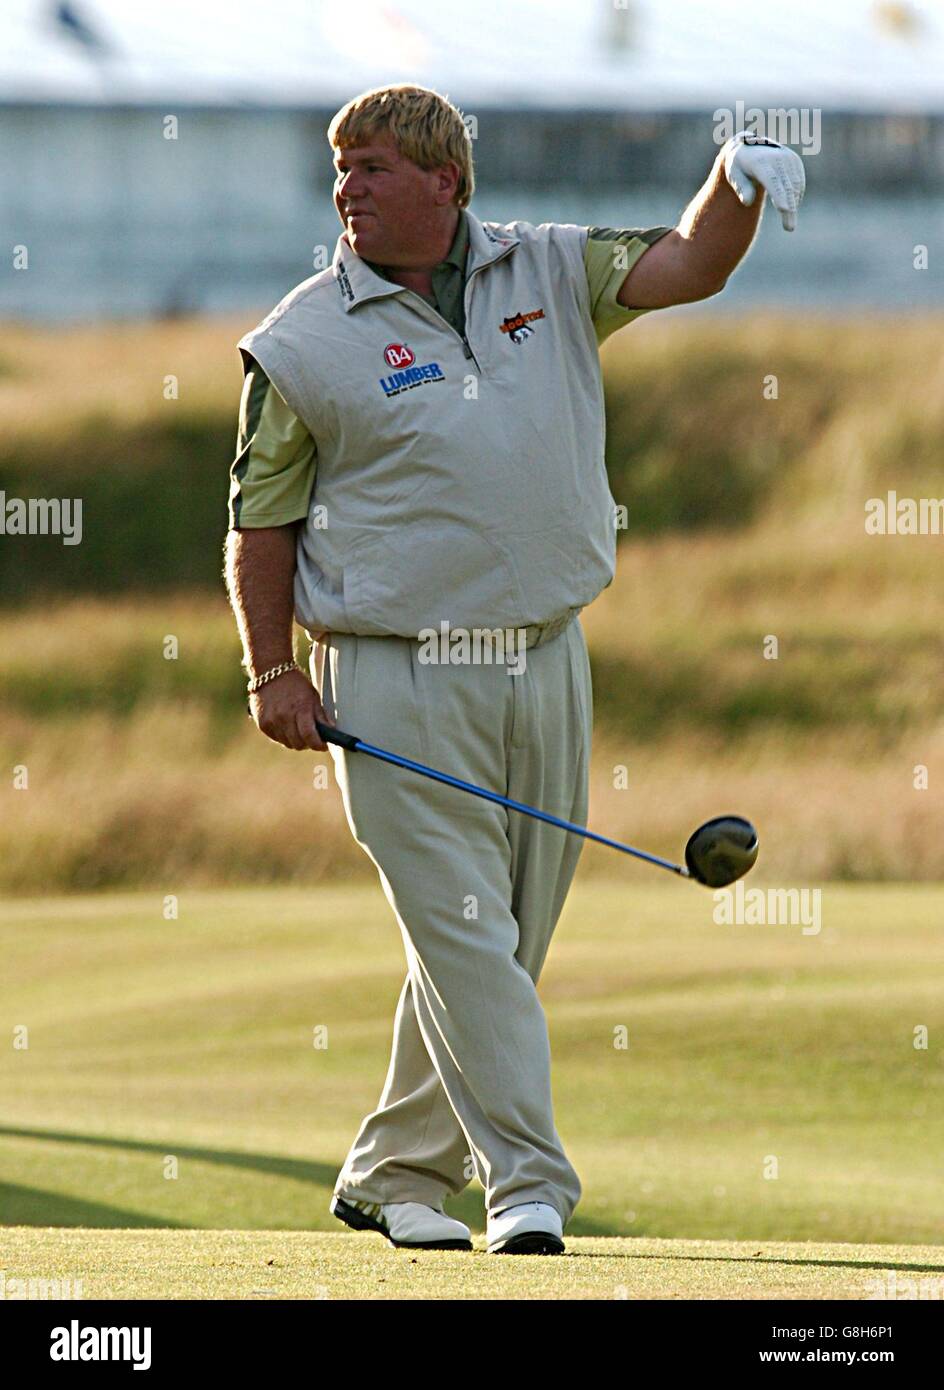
(695, 259)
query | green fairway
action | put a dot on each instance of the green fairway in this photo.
(280, 1265)
(770, 1089)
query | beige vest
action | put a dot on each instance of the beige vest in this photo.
(458, 480)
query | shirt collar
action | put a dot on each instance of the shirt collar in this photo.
(459, 250)
(474, 245)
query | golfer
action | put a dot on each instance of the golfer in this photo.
(420, 451)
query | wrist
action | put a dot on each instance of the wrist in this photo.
(258, 679)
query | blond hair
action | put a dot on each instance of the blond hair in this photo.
(425, 127)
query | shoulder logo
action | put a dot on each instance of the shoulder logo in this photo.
(398, 355)
(495, 239)
(344, 284)
(518, 327)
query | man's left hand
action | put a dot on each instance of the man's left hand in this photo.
(752, 162)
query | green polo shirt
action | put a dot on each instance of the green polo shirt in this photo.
(448, 296)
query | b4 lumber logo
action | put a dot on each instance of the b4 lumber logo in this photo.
(412, 376)
(518, 327)
(402, 356)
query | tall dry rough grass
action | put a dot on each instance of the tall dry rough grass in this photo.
(746, 522)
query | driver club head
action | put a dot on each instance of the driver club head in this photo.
(721, 850)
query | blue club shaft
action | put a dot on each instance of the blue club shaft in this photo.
(354, 744)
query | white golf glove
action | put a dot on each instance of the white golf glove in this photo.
(752, 162)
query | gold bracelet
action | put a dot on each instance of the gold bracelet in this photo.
(258, 682)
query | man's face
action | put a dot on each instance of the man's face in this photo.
(391, 209)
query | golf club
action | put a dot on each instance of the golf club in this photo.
(717, 853)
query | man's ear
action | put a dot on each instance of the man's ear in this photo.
(447, 181)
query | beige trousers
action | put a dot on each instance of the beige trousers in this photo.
(477, 891)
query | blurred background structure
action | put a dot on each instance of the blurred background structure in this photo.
(597, 112)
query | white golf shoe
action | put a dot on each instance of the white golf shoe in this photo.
(407, 1225)
(533, 1228)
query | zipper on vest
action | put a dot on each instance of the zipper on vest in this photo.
(467, 349)
(466, 345)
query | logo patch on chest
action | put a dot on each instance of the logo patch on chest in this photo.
(518, 327)
(398, 356)
(407, 373)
